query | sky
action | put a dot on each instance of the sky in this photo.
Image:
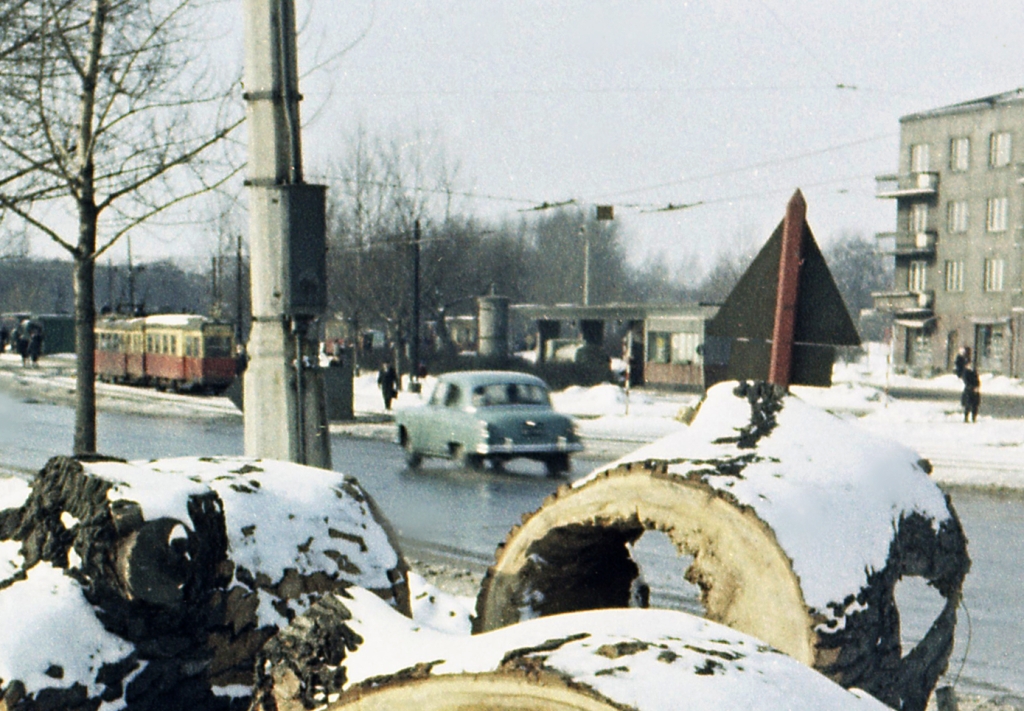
(732, 105)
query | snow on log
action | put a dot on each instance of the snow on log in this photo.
(156, 583)
(800, 525)
(351, 651)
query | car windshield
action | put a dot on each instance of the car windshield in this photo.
(509, 394)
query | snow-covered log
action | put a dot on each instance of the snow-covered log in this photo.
(800, 525)
(155, 584)
(644, 660)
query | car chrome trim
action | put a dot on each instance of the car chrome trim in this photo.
(547, 448)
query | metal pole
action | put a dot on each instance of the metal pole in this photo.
(131, 279)
(781, 366)
(586, 264)
(414, 351)
(238, 288)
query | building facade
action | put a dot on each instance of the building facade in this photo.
(959, 235)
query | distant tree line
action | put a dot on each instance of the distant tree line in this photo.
(537, 260)
(45, 286)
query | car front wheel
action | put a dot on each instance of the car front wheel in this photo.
(469, 460)
(557, 464)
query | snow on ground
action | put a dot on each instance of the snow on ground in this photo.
(440, 610)
(641, 658)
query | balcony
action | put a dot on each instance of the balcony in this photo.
(915, 185)
(903, 244)
(905, 303)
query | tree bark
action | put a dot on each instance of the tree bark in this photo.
(85, 339)
(85, 253)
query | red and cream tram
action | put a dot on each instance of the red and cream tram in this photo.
(176, 351)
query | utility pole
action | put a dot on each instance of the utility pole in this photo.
(586, 264)
(131, 279)
(414, 350)
(284, 398)
(238, 288)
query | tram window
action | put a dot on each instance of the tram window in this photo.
(218, 347)
(174, 345)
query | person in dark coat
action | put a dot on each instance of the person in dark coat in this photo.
(5, 337)
(971, 398)
(387, 381)
(962, 359)
(35, 345)
(21, 341)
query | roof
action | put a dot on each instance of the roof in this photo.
(484, 377)
(984, 103)
(615, 311)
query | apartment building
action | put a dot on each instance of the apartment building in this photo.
(958, 239)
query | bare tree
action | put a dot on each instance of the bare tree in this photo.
(858, 268)
(108, 114)
(385, 186)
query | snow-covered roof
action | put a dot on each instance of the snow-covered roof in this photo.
(176, 320)
(832, 492)
(986, 102)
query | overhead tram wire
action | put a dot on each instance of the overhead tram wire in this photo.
(534, 205)
(750, 166)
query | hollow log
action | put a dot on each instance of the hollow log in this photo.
(799, 525)
(601, 660)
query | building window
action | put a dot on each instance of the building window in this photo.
(1000, 150)
(918, 217)
(994, 274)
(957, 216)
(659, 347)
(917, 276)
(686, 348)
(954, 276)
(919, 158)
(998, 209)
(959, 154)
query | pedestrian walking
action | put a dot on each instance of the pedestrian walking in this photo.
(387, 381)
(962, 359)
(5, 336)
(35, 343)
(21, 341)
(971, 398)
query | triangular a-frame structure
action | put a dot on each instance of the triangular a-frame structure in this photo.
(739, 339)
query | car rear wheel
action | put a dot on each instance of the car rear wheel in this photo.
(557, 464)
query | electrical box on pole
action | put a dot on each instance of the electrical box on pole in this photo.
(303, 228)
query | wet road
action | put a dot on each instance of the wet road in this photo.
(467, 514)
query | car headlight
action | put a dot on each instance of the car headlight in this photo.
(486, 430)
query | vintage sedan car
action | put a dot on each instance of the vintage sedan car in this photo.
(476, 416)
